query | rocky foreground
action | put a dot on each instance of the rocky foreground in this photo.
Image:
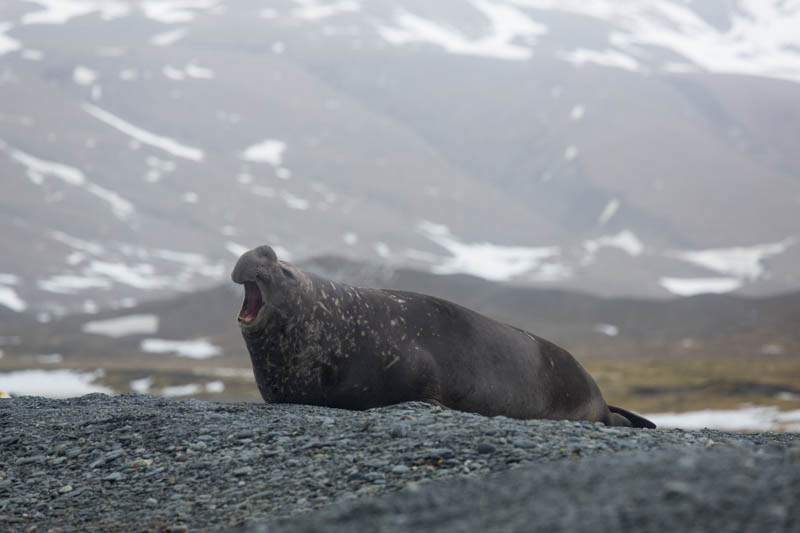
(132, 463)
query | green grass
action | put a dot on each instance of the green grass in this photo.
(689, 385)
(647, 386)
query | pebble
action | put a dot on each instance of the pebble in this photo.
(73, 452)
(248, 460)
(677, 488)
(485, 447)
(35, 459)
(114, 454)
(399, 430)
(439, 452)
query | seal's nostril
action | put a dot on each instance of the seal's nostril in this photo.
(266, 252)
(247, 265)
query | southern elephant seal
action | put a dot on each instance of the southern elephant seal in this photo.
(315, 341)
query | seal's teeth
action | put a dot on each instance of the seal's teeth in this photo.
(252, 302)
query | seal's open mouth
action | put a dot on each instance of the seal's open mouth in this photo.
(252, 302)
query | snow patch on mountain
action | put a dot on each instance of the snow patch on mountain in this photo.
(174, 391)
(176, 11)
(609, 211)
(138, 276)
(91, 266)
(141, 385)
(157, 168)
(294, 202)
(508, 25)
(61, 383)
(84, 75)
(746, 418)
(193, 349)
(609, 330)
(173, 73)
(625, 240)
(10, 299)
(31, 54)
(7, 44)
(62, 11)
(38, 168)
(195, 71)
(90, 247)
(743, 262)
(761, 40)
(49, 358)
(191, 70)
(267, 151)
(350, 238)
(157, 141)
(493, 262)
(123, 326)
(128, 74)
(694, 286)
(313, 10)
(268, 13)
(9, 279)
(72, 284)
(169, 37)
(605, 58)
(382, 249)
(577, 112)
(215, 386)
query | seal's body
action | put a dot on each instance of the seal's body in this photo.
(318, 342)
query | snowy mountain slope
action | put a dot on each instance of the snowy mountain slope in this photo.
(601, 145)
(198, 330)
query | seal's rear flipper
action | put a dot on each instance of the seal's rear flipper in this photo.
(634, 419)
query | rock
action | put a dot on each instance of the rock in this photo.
(114, 454)
(243, 471)
(439, 453)
(399, 430)
(34, 459)
(677, 488)
(485, 447)
(74, 452)
(260, 460)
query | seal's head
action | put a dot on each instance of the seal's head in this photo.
(270, 287)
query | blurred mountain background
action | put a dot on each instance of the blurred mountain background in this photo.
(618, 176)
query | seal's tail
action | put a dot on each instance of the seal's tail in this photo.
(632, 419)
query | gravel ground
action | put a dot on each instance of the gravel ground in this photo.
(123, 463)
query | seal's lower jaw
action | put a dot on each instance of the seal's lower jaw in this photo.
(252, 306)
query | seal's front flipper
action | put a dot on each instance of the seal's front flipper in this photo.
(632, 418)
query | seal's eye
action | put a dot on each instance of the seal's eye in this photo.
(288, 273)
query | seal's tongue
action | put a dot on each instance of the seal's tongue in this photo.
(252, 302)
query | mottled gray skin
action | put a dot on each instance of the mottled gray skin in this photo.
(318, 342)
